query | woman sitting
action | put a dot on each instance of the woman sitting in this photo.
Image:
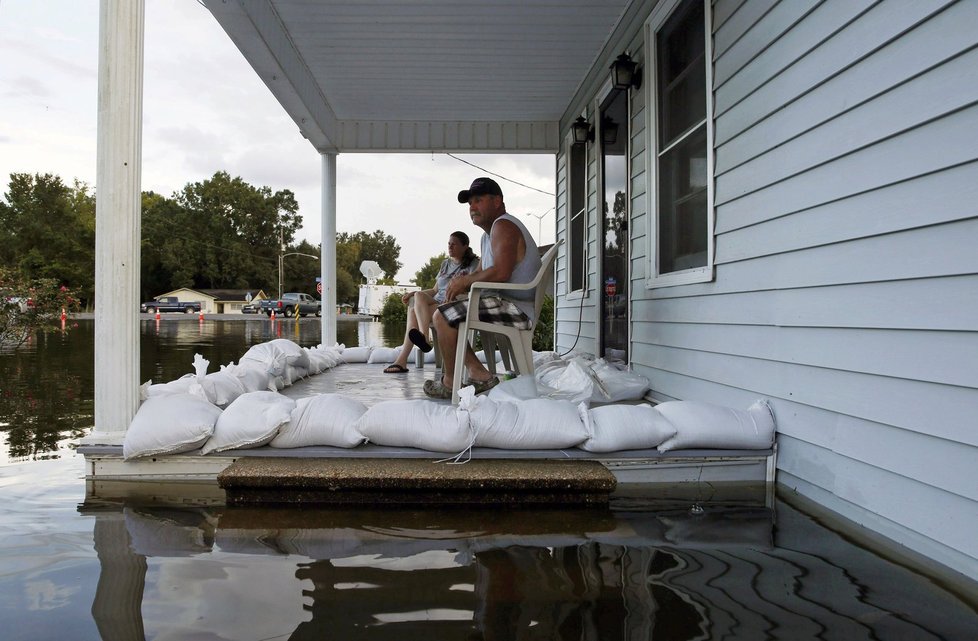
(421, 305)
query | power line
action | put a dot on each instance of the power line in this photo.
(515, 182)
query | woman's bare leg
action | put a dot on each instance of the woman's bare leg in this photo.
(412, 323)
(424, 309)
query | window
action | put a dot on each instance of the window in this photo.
(577, 179)
(680, 131)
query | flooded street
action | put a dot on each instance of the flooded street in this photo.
(72, 568)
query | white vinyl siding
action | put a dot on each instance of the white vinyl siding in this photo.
(846, 287)
(846, 277)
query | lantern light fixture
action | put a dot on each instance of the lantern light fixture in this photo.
(583, 131)
(625, 73)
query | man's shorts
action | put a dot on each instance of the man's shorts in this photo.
(492, 309)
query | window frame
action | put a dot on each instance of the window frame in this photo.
(585, 149)
(704, 273)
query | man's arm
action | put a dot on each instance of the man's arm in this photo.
(507, 247)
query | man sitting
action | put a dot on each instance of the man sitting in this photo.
(509, 255)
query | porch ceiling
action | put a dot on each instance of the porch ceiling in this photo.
(412, 75)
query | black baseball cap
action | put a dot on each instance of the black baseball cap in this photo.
(480, 186)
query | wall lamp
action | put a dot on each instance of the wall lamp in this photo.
(583, 131)
(625, 73)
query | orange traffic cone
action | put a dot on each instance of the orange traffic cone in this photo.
(272, 315)
(157, 315)
(201, 316)
(63, 315)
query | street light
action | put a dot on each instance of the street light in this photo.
(280, 261)
(539, 218)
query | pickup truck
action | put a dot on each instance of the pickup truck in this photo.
(169, 304)
(290, 302)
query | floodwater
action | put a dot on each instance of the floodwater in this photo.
(72, 568)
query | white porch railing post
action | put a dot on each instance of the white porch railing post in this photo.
(117, 218)
(328, 261)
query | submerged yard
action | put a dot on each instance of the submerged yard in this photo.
(637, 569)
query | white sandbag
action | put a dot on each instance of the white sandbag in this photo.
(564, 380)
(168, 425)
(326, 419)
(253, 376)
(266, 356)
(383, 355)
(252, 420)
(541, 358)
(356, 354)
(180, 386)
(614, 384)
(520, 388)
(613, 428)
(481, 355)
(293, 374)
(219, 388)
(416, 423)
(535, 424)
(321, 360)
(708, 426)
(294, 355)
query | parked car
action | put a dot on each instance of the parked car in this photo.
(251, 308)
(170, 304)
(290, 302)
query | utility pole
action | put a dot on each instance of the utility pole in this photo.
(539, 218)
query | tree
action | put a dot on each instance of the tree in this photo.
(47, 231)
(218, 233)
(299, 272)
(29, 305)
(378, 246)
(427, 276)
(352, 250)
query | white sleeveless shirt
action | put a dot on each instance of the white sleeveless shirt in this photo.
(523, 272)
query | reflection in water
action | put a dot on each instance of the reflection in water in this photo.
(594, 574)
(47, 386)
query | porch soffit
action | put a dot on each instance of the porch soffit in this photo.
(431, 75)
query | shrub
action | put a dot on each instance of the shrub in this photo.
(394, 310)
(31, 305)
(543, 334)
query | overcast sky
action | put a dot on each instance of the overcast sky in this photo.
(205, 110)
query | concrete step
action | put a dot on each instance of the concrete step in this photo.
(251, 480)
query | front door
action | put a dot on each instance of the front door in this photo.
(614, 134)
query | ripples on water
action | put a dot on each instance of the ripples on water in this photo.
(72, 569)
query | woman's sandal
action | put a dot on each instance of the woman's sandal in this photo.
(418, 339)
(394, 368)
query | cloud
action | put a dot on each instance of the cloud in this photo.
(27, 86)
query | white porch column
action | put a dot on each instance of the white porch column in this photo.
(117, 218)
(328, 259)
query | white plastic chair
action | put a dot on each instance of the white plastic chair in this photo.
(517, 344)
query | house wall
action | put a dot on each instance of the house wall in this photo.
(846, 277)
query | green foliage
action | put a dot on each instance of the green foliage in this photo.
(427, 276)
(352, 250)
(29, 305)
(47, 231)
(543, 334)
(394, 310)
(219, 233)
